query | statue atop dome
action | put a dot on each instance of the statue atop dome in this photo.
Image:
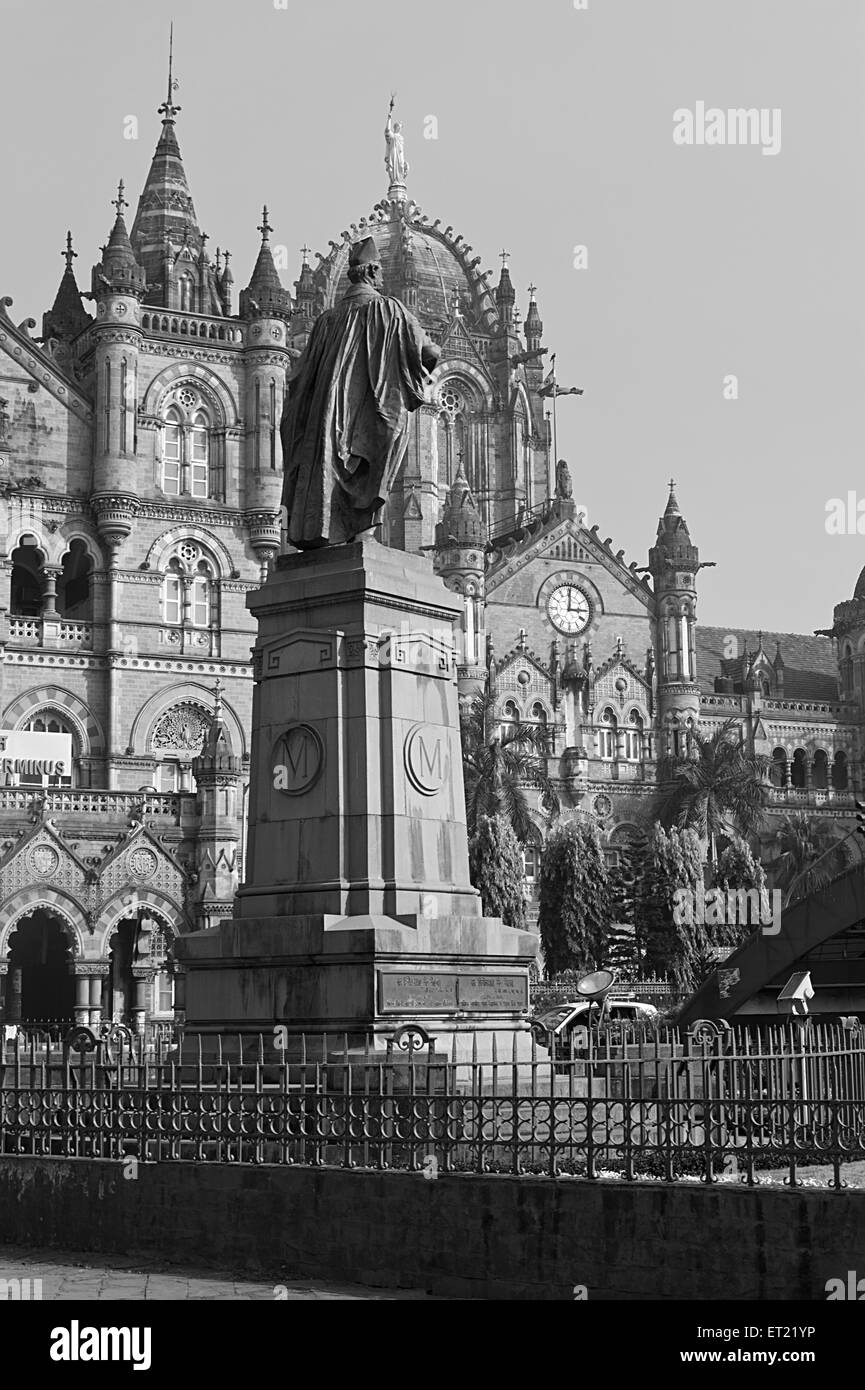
(394, 159)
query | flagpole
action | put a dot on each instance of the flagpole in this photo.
(555, 459)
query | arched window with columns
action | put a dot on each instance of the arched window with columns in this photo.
(606, 736)
(778, 768)
(633, 737)
(26, 600)
(188, 463)
(190, 596)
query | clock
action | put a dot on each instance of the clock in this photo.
(569, 610)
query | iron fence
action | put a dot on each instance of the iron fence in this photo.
(713, 1103)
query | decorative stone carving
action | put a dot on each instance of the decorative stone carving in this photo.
(183, 726)
(142, 863)
(44, 860)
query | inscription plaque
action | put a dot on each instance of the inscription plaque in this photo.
(400, 992)
(417, 991)
(493, 992)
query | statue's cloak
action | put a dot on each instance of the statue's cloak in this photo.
(345, 424)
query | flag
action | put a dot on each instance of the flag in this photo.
(551, 387)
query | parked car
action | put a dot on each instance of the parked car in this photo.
(610, 1017)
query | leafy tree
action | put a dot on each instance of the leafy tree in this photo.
(677, 951)
(736, 869)
(624, 945)
(496, 864)
(575, 899)
(717, 786)
(500, 761)
(810, 853)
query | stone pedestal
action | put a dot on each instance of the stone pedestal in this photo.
(357, 914)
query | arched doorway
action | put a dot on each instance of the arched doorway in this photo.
(121, 982)
(139, 983)
(40, 987)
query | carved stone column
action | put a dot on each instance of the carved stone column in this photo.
(140, 976)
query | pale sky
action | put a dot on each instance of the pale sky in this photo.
(555, 130)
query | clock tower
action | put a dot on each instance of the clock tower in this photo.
(674, 563)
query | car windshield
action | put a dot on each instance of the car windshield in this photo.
(553, 1017)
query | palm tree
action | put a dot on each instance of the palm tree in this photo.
(717, 786)
(810, 853)
(500, 761)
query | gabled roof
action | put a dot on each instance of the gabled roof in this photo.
(34, 358)
(543, 535)
(810, 667)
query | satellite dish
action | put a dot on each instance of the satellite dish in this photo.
(596, 985)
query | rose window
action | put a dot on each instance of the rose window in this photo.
(451, 401)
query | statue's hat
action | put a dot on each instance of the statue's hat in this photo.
(364, 252)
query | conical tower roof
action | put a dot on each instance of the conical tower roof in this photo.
(166, 213)
(461, 521)
(119, 270)
(673, 542)
(67, 317)
(264, 296)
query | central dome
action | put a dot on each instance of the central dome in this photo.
(430, 270)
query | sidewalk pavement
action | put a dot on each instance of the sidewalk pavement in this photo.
(72, 1276)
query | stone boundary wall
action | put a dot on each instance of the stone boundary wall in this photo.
(458, 1236)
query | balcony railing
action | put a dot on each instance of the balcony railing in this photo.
(32, 632)
(204, 327)
(814, 796)
(81, 801)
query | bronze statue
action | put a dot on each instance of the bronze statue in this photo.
(345, 423)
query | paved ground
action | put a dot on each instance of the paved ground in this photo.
(67, 1275)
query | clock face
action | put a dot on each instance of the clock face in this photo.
(569, 609)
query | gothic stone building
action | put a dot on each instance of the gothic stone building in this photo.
(140, 478)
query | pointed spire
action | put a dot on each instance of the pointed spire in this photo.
(264, 296)
(304, 291)
(216, 753)
(505, 293)
(673, 540)
(67, 316)
(168, 110)
(534, 328)
(461, 521)
(165, 207)
(118, 270)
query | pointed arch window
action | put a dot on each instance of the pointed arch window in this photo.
(199, 455)
(606, 736)
(189, 588)
(633, 738)
(172, 452)
(47, 721)
(187, 448)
